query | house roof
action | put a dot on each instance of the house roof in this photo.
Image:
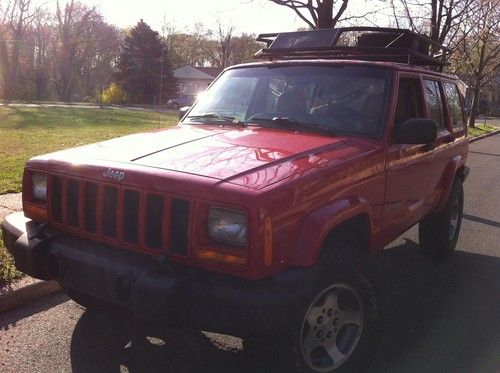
(198, 73)
(212, 71)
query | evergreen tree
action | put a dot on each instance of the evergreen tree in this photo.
(140, 67)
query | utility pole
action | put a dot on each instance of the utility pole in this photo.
(162, 57)
(161, 75)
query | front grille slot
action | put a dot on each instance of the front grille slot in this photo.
(131, 216)
(56, 197)
(90, 208)
(72, 203)
(120, 215)
(154, 222)
(109, 211)
(179, 220)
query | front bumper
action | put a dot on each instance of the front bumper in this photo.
(153, 289)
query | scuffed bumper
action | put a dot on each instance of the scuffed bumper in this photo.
(151, 289)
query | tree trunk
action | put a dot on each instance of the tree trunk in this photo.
(325, 14)
(473, 109)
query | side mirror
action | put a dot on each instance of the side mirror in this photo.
(183, 111)
(415, 131)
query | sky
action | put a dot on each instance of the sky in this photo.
(247, 16)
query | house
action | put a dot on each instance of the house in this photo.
(489, 98)
(195, 79)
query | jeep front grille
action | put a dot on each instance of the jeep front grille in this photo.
(179, 218)
(153, 230)
(120, 215)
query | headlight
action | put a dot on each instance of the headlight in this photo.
(39, 186)
(227, 226)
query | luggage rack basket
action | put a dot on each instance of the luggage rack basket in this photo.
(359, 43)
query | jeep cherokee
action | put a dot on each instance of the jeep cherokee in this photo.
(256, 214)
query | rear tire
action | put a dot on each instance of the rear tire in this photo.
(438, 233)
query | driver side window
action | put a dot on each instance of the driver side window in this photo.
(409, 104)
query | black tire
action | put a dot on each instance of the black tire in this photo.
(354, 342)
(87, 301)
(438, 233)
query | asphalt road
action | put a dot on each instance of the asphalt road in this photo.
(438, 318)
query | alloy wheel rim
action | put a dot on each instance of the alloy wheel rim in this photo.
(332, 327)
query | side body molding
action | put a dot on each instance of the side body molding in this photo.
(319, 223)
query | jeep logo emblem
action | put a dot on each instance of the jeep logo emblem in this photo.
(113, 174)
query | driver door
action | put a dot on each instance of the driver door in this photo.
(408, 166)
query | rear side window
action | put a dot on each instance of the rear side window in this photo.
(409, 104)
(454, 106)
(435, 102)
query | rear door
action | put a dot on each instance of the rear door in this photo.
(408, 178)
(438, 109)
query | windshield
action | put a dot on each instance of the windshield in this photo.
(330, 99)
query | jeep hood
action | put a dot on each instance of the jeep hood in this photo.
(252, 156)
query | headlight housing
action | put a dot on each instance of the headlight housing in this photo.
(227, 226)
(39, 187)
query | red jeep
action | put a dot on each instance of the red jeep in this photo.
(255, 215)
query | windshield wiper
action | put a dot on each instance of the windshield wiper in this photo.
(289, 121)
(217, 116)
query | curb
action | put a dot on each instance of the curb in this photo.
(473, 139)
(27, 294)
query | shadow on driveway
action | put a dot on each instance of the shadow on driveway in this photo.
(438, 318)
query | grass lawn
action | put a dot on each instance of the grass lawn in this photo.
(29, 131)
(481, 129)
(7, 270)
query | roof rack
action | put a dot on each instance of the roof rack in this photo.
(360, 43)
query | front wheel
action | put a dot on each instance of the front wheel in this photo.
(332, 327)
(339, 325)
(438, 233)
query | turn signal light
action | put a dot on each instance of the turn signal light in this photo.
(35, 212)
(220, 258)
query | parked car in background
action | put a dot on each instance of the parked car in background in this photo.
(182, 100)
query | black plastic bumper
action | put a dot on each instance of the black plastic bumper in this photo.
(153, 291)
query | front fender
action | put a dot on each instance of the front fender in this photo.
(319, 224)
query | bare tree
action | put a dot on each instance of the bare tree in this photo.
(317, 13)
(220, 48)
(477, 56)
(15, 18)
(186, 48)
(244, 48)
(72, 22)
(439, 19)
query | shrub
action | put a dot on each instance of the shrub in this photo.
(114, 94)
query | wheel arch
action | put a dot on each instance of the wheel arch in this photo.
(455, 168)
(345, 220)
